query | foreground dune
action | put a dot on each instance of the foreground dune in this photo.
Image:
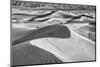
(26, 54)
(58, 42)
(75, 48)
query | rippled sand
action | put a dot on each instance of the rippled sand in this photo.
(26, 54)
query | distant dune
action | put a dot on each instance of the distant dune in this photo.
(64, 15)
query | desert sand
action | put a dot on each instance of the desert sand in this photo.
(58, 43)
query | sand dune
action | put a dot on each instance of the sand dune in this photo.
(62, 42)
(27, 12)
(56, 31)
(75, 48)
(65, 15)
(43, 39)
(58, 14)
(26, 54)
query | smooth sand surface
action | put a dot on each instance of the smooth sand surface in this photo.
(59, 43)
(75, 48)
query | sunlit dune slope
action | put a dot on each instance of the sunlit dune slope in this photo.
(74, 48)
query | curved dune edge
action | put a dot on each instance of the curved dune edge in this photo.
(44, 44)
(76, 48)
(60, 14)
(25, 54)
(71, 49)
(54, 31)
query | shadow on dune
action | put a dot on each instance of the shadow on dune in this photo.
(62, 15)
(40, 16)
(27, 54)
(53, 14)
(83, 15)
(23, 14)
(53, 31)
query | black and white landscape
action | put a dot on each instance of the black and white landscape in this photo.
(49, 33)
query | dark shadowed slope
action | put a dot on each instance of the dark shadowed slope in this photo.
(80, 16)
(55, 14)
(23, 14)
(88, 16)
(63, 15)
(55, 31)
(18, 33)
(40, 16)
(26, 53)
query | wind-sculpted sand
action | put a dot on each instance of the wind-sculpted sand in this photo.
(58, 41)
(52, 37)
(68, 16)
(24, 51)
(54, 31)
(75, 48)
